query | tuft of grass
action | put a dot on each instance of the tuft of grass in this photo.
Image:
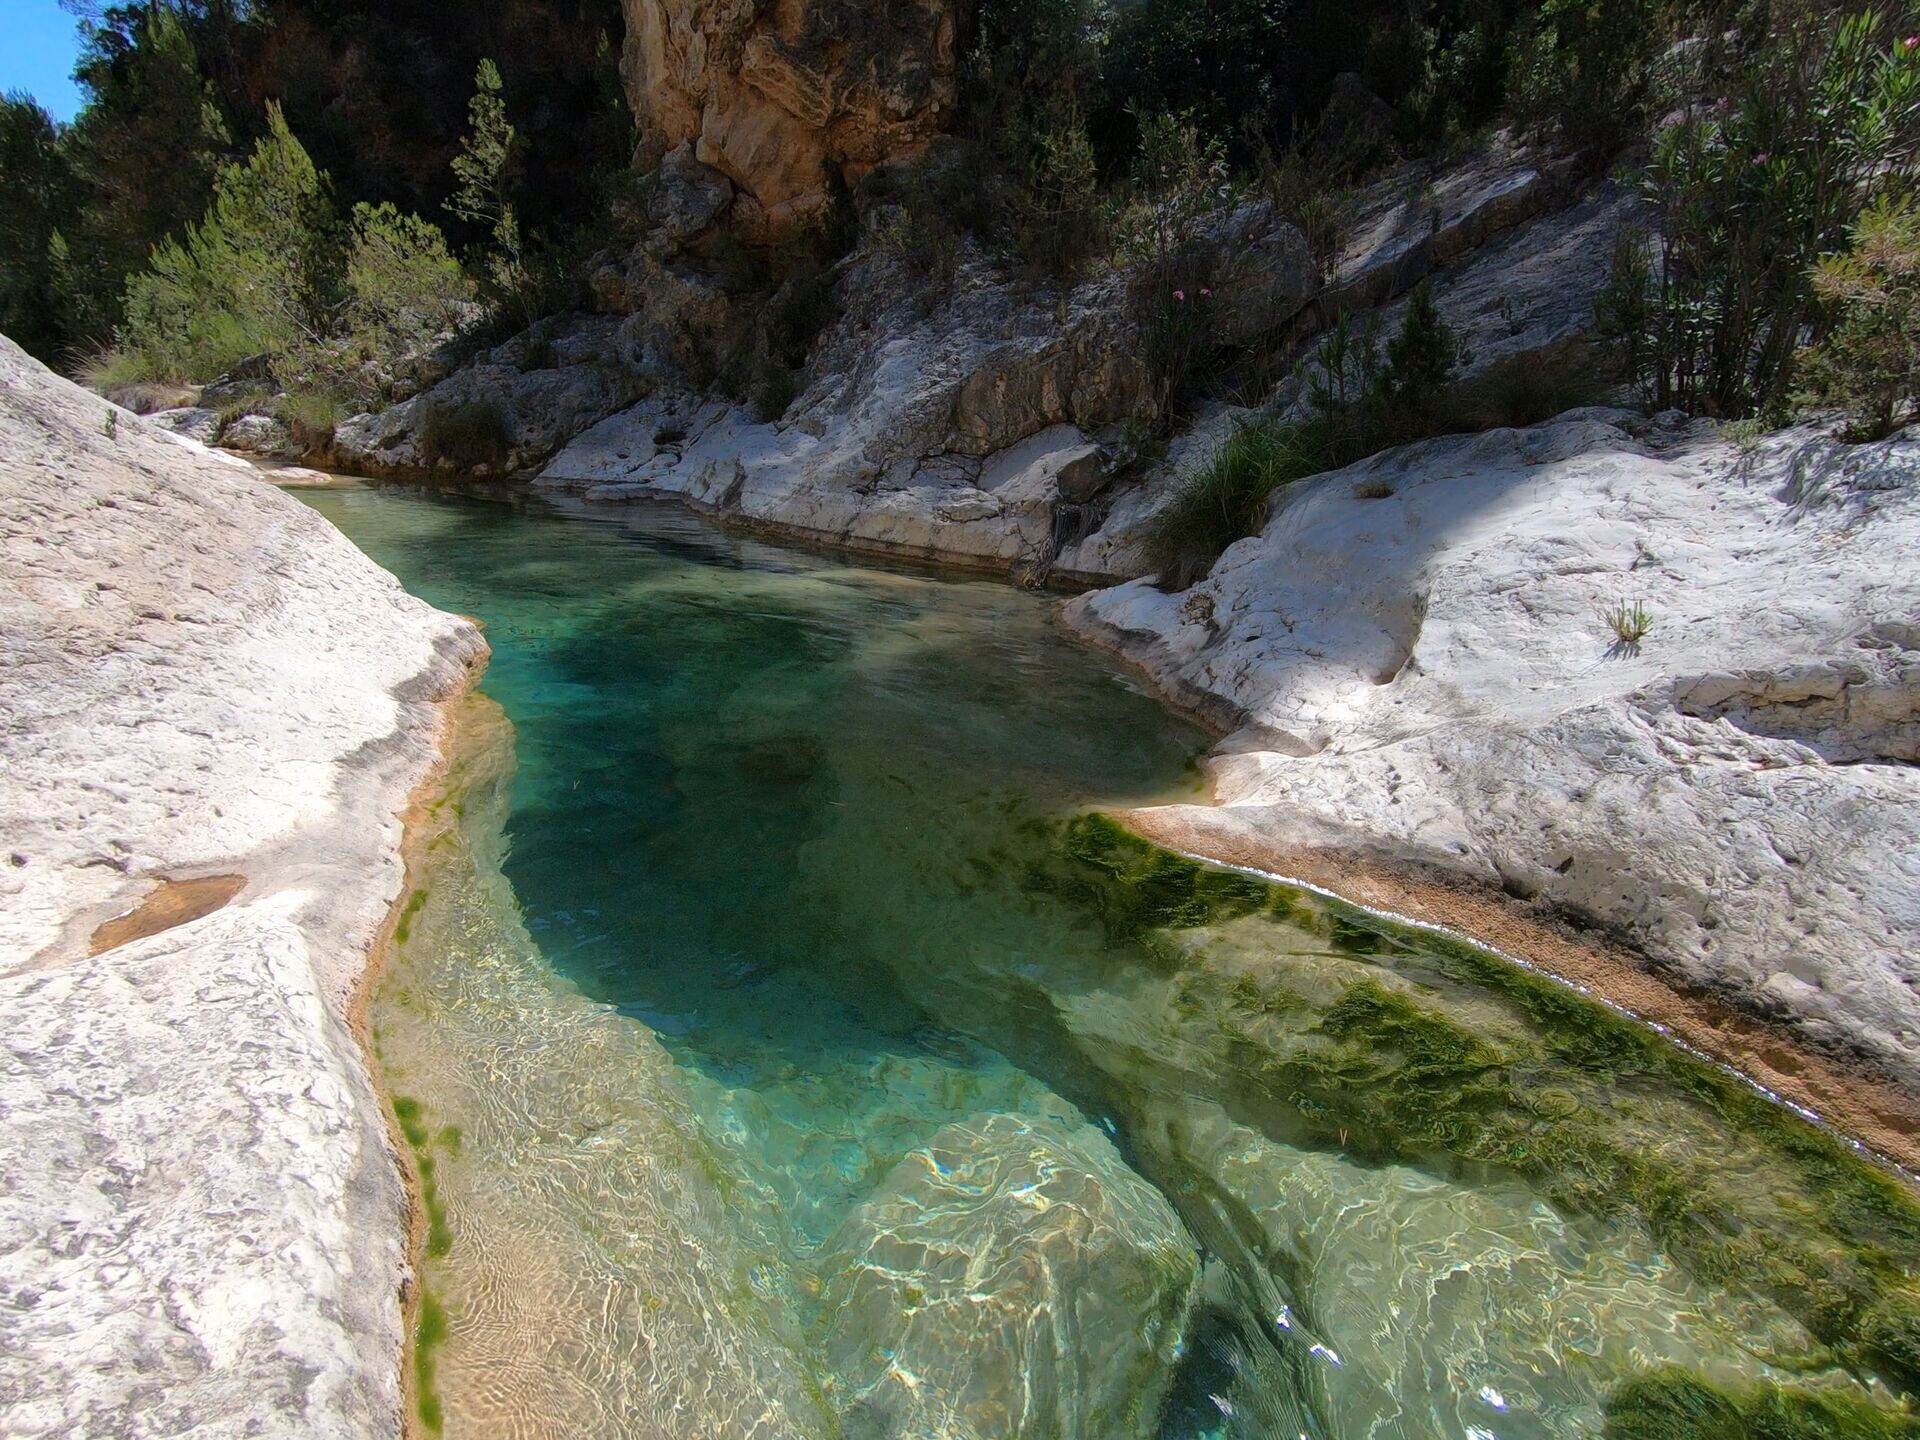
(1523, 390)
(465, 434)
(1232, 497)
(1674, 1404)
(311, 416)
(1630, 623)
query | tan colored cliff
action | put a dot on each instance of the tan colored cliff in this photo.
(785, 99)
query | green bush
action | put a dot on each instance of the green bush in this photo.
(1233, 496)
(1748, 197)
(1582, 68)
(256, 274)
(1062, 226)
(1180, 187)
(1311, 192)
(1869, 364)
(465, 434)
(403, 286)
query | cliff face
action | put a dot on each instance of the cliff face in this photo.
(785, 99)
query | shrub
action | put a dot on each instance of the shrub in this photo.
(1063, 225)
(1527, 389)
(465, 434)
(1582, 68)
(1311, 193)
(1231, 497)
(1180, 187)
(311, 416)
(1365, 405)
(1749, 196)
(256, 274)
(403, 286)
(1869, 365)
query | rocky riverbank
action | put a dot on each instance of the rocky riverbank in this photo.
(217, 709)
(1417, 676)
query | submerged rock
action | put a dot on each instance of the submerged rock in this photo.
(1011, 1280)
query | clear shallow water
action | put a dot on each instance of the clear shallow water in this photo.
(782, 1065)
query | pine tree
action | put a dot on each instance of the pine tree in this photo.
(482, 196)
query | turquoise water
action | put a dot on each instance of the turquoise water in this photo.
(789, 1067)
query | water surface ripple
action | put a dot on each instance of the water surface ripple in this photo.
(785, 1060)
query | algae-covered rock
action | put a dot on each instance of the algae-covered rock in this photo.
(1013, 1278)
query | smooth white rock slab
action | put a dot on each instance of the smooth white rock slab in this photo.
(1415, 657)
(201, 1225)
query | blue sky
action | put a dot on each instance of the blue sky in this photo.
(38, 45)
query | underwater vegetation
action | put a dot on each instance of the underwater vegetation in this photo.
(1599, 1112)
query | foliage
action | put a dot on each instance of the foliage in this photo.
(1181, 186)
(1311, 191)
(1630, 623)
(1582, 68)
(1869, 364)
(1360, 405)
(1232, 496)
(482, 195)
(1063, 222)
(465, 434)
(1748, 196)
(254, 275)
(37, 179)
(144, 153)
(402, 284)
(1673, 1404)
(1367, 405)
(1421, 357)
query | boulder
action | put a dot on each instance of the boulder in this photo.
(536, 392)
(1012, 1279)
(688, 197)
(261, 435)
(785, 101)
(190, 421)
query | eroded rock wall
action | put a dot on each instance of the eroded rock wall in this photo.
(787, 99)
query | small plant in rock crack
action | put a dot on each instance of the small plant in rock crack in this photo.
(1629, 623)
(110, 427)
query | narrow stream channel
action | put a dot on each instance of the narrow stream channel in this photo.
(789, 1052)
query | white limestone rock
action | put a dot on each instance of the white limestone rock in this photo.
(1415, 657)
(194, 423)
(201, 1225)
(260, 435)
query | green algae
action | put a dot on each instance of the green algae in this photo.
(1575, 1097)
(403, 928)
(421, 1138)
(429, 1331)
(1673, 1404)
(430, 1325)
